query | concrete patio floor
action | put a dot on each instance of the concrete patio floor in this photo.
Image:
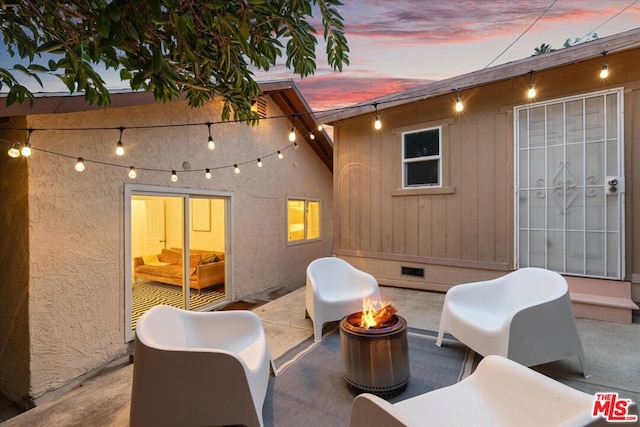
(612, 351)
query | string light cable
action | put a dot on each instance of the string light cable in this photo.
(17, 150)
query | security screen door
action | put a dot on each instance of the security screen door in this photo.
(570, 185)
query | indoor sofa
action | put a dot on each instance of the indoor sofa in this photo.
(206, 268)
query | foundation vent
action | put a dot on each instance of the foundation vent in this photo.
(413, 271)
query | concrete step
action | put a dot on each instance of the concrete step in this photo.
(600, 299)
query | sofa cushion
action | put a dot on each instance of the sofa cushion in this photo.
(194, 260)
(170, 256)
(174, 271)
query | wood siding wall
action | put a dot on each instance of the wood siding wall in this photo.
(464, 230)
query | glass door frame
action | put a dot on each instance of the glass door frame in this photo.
(186, 194)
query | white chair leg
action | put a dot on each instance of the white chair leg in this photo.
(317, 331)
(583, 365)
(440, 336)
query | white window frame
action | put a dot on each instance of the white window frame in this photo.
(406, 161)
(306, 201)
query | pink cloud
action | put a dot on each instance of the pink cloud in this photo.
(420, 22)
(337, 90)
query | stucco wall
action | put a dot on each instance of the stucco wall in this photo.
(77, 219)
(14, 272)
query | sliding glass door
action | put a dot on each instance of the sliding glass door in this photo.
(160, 223)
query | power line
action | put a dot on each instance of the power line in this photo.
(594, 30)
(520, 36)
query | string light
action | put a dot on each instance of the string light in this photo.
(14, 151)
(292, 132)
(26, 148)
(604, 72)
(377, 124)
(236, 169)
(459, 106)
(132, 172)
(532, 92)
(79, 164)
(119, 145)
(207, 173)
(210, 144)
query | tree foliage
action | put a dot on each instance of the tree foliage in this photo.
(196, 48)
(542, 49)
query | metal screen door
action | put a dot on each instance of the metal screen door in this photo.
(570, 185)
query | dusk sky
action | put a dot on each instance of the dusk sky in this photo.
(397, 45)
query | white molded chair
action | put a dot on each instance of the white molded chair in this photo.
(199, 368)
(525, 315)
(335, 289)
(499, 393)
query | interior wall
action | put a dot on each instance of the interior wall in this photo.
(174, 227)
(14, 271)
(214, 238)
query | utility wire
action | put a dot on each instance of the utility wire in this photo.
(594, 30)
(520, 36)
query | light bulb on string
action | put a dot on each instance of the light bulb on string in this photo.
(459, 106)
(79, 164)
(210, 144)
(320, 127)
(174, 176)
(26, 148)
(377, 124)
(14, 151)
(236, 169)
(532, 91)
(312, 136)
(207, 173)
(259, 163)
(132, 172)
(292, 132)
(280, 156)
(604, 72)
(119, 145)
(295, 146)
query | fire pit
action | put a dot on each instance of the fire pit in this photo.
(375, 359)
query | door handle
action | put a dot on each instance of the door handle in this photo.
(614, 185)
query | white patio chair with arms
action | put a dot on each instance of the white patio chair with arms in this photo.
(335, 289)
(199, 368)
(525, 315)
(500, 392)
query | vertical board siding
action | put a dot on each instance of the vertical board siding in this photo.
(468, 194)
(472, 221)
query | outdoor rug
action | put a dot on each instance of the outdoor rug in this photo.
(310, 390)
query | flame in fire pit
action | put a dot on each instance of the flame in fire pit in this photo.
(375, 314)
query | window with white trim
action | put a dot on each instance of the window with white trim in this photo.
(421, 158)
(303, 220)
